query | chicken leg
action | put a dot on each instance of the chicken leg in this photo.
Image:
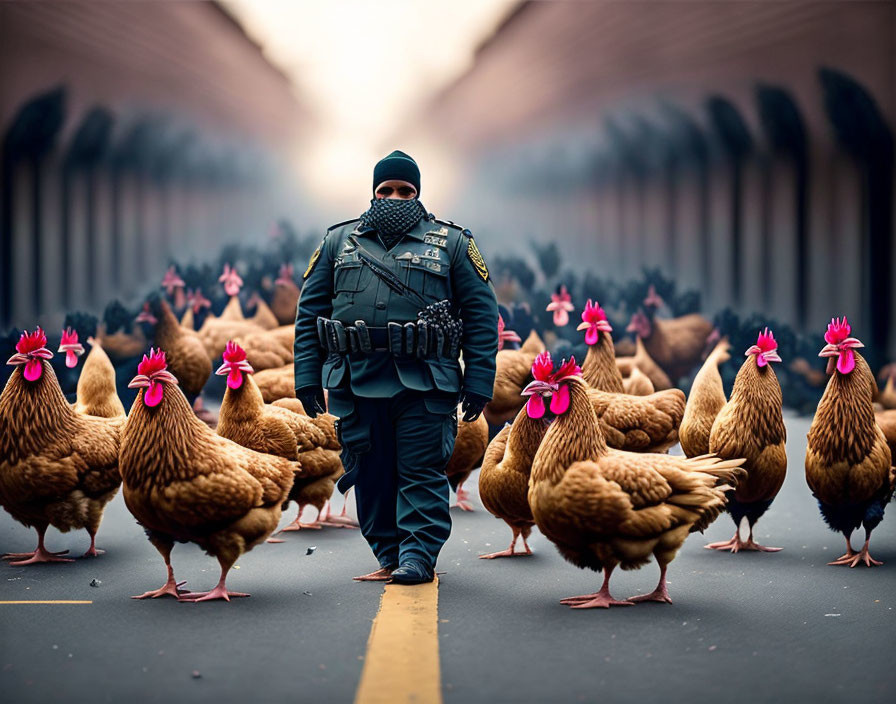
(340, 521)
(41, 554)
(93, 551)
(599, 600)
(736, 544)
(510, 552)
(463, 498)
(660, 594)
(170, 588)
(220, 590)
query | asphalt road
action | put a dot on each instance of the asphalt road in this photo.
(746, 628)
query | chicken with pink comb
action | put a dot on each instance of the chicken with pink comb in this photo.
(751, 426)
(599, 368)
(848, 459)
(561, 306)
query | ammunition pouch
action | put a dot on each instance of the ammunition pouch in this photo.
(404, 340)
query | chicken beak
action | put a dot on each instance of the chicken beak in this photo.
(583, 326)
(535, 387)
(829, 351)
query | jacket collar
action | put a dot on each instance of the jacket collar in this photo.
(417, 232)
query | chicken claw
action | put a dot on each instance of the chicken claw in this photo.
(463, 499)
(736, 545)
(853, 558)
(660, 594)
(510, 552)
(599, 600)
(33, 558)
(219, 592)
(171, 588)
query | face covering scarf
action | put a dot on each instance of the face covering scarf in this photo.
(392, 217)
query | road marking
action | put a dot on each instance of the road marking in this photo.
(402, 661)
(46, 602)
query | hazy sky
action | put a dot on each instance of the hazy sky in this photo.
(362, 66)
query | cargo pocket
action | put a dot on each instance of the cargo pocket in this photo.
(444, 408)
(428, 277)
(352, 435)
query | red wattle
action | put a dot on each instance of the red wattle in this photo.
(535, 406)
(591, 335)
(33, 369)
(71, 359)
(760, 360)
(560, 400)
(846, 362)
(152, 397)
(235, 379)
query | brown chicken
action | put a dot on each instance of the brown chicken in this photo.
(504, 478)
(513, 371)
(326, 423)
(195, 303)
(276, 383)
(96, 393)
(639, 423)
(263, 317)
(751, 425)
(186, 356)
(265, 349)
(643, 362)
(887, 396)
(57, 467)
(121, 345)
(676, 344)
(705, 400)
(247, 420)
(638, 384)
(886, 421)
(232, 282)
(603, 508)
(469, 448)
(285, 300)
(184, 483)
(847, 458)
(599, 368)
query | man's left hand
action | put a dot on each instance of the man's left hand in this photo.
(472, 404)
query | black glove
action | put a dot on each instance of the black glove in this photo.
(313, 400)
(472, 404)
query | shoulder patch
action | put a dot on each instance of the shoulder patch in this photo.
(476, 258)
(313, 260)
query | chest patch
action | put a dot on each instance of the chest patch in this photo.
(476, 258)
(435, 239)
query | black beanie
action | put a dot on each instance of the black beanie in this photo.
(397, 166)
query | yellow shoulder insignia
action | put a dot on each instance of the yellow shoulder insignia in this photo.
(478, 261)
(313, 261)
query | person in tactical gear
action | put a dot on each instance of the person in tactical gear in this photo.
(389, 301)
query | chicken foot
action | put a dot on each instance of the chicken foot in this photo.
(219, 592)
(599, 600)
(463, 498)
(93, 551)
(510, 552)
(736, 544)
(341, 521)
(170, 588)
(41, 554)
(660, 594)
(853, 558)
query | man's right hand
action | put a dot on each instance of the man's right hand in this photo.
(313, 400)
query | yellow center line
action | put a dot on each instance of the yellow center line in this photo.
(402, 661)
(46, 602)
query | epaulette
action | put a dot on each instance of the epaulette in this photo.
(452, 224)
(341, 224)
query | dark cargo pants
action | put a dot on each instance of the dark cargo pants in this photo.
(395, 451)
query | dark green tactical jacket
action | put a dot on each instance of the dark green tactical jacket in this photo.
(437, 259)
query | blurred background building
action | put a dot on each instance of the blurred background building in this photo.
(744, 148)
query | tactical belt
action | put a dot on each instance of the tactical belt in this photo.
(400, 339)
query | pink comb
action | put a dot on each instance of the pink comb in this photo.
(653, 299)
(71, 347)
(234, 365)
(542, 367)
(30, 350)
(841, 345)
(594, 320)
(152, 373)
(561, 305)
(231, 280)
(171, 280)
(765, 349)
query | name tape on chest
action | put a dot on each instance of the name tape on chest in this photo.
(435, 239)
(476, 258)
